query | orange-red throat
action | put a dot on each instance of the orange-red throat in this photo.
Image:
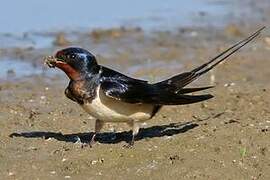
(69, 70)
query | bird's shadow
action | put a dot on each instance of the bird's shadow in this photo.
(111, 137)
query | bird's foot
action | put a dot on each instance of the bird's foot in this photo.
(91, 143)
(78, 141)
(87, 145)
(129, 145)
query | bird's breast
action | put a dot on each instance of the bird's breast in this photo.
(112, 110)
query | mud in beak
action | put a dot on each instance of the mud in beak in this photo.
(52, 62)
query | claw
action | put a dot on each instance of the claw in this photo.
(85, 145)
(128, 146)
(90, 144)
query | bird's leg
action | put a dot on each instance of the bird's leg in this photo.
(135, 130)
(98, 126)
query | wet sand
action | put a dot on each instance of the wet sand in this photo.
(226, 137)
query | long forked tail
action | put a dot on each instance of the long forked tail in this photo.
(176, 83)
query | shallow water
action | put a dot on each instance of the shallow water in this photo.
(24, 16)
(26, 26)
(12, 69)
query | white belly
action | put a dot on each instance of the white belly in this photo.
(110, 110)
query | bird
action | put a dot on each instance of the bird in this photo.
(112, 97)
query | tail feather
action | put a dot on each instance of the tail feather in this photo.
(176, 83)
(231, 50)
(180, 99)
(190, 90)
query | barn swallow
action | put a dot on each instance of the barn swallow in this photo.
(111, 96)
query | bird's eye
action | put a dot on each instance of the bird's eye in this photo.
(61, 56)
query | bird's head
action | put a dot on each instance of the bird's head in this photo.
(74, 61)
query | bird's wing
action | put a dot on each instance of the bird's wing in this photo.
(137, 92)
(123, 88)
(127, 90)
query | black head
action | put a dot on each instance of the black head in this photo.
(79, 59)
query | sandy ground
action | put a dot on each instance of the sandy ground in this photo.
(226, 137)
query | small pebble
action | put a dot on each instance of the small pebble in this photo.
(168, 137)
(42, 97)
(11, 173)
(49, 139)
(94, 162)
(200, 137)
(229, 84)
(254, 157)
(32, 148)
